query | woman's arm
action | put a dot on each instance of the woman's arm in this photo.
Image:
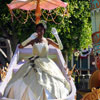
(55, 33)
(28, 41)
(50, 41)
(21, 46)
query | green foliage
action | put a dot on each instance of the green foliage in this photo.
(77, 28)
(74, 31)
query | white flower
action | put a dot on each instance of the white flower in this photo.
(76, 54)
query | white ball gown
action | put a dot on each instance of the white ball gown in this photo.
(38, 79)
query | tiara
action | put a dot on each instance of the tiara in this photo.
(44, 23)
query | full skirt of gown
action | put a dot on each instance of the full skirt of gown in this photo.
(38, 80)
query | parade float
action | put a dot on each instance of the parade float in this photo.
(95, 18)
(5, 56)
(94, 82)
(21, 55)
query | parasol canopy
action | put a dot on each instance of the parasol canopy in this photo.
(30, 5)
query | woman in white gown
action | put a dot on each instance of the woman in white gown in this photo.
(39, 78)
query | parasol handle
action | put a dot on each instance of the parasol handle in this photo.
(38, 12)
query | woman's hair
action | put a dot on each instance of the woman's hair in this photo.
(41, 25)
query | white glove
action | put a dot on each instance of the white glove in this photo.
(32, 37)
(55, 33)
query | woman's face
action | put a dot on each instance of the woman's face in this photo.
(40, 31)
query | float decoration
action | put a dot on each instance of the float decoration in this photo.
(83, 53)
(95, 18)
(95, 6)
(93, 95)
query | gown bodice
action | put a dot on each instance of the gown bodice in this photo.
(40, 49)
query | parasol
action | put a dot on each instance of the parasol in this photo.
(30, 5)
